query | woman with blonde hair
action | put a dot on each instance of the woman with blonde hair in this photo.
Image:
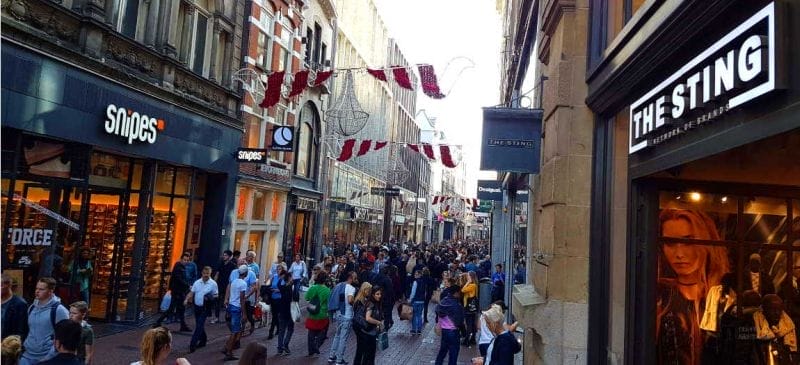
(156, 346)
(687, 270)
(12, 349)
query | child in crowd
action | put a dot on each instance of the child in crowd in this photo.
(77, 313)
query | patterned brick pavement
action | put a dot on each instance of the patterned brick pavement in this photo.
(123, 348)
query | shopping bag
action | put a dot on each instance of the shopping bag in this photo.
(436, 296)
(296, 311)
(383, 341)
(166, 301)
(405, 311)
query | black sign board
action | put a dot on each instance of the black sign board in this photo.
(490, 190)
(511, 140)
(254, 155)
(283, 139)
(385, 191)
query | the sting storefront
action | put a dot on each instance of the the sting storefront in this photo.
(695, 226)
(103, 187)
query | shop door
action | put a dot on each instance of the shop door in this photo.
(41, 236)
(110, 236)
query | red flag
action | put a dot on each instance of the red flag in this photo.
(447, 158)
(380, 144)
(378, 74)
(364, 148)
(429, 151)
(401, 77)
(299, 84)
(413, 147)
(429, 84)
(273, 92)
(347, 150)
(322, 77)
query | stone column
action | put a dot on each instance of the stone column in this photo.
(212, 66)
(187, 34)
(152, 23)
(227, 60)
(112, 12)
(166, 34)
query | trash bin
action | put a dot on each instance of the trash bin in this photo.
(485, 293)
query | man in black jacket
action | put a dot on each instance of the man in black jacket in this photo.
(67, 336)
(178, 287)
(15, 311)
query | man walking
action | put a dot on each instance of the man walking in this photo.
(234, 299)
(43, 315)
(417, 299)
(224, 270)
(343, 318)
(204, 293)
(178, 286)
(15, 319)
(67, 337)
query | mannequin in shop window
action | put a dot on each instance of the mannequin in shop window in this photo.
(686, 273)
(791, 294)
(775, 332)
(756, 278)
(720, 305)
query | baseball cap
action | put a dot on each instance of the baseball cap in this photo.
(243, 269)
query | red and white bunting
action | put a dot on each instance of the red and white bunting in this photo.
(429, 151)
(364, 147)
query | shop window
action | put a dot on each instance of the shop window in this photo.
(259, 205)
(183, 179)
(607, 23)
(237, 240)
(165, 178)
(715, 266)
(255, 244)
(303, 164)
(241, 206)
(221, 70)
(276, 207)
(109, 170)
(180, 210)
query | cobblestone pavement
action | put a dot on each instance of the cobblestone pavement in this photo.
(123, 348)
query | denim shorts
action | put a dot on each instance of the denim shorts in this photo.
(235, 324)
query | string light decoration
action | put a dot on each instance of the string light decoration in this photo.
(346, 114)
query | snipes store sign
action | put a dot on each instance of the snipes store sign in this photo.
(738, 68)
(132, 125)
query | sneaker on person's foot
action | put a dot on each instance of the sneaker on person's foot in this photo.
(230, 358)
(214, 320)
(331, 359)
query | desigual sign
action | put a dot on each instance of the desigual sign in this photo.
(132, 125)
(736, 69)
(30, 236)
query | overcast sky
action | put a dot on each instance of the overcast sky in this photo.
(436, 32)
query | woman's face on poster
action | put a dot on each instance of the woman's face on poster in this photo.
(684, 259)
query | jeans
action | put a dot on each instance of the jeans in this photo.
(315, 340)
(199, 336)
(425, 312)
(175, 307)
(343, 328)
(469, 325)
(448, 347)
(416, 319)
(365, 348)
(285, 330)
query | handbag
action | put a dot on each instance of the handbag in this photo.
(436, 296)
(405, 312)
(313, 306)
(360, 316)
(383, 341)
(472, 305)
(295, 309)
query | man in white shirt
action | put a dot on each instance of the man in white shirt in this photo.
(344, 321)
(234, 299)
(298, 271)
(203, 290)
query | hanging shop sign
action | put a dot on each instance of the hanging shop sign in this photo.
(511, 140)
(306, 204)
(132, 125)
(359, 214)
(385, 191)
(255, 155)
(490, 190)
(738, 68)
(282, 138)
(276, 174)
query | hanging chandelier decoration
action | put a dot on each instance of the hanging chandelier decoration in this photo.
(346, 115)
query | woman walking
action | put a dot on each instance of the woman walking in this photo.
(367, 332)
(281, 298)
(156, 346)
(470, 291)
(450, 315)
(317, 321)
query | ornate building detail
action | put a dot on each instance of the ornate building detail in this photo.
(131, 56)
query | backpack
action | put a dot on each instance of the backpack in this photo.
(336, 301)
(53, 311)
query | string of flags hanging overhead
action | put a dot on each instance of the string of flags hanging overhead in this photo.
(302, 80)
(469, 202)
(349, 150)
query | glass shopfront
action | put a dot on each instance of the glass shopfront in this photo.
(107, 227)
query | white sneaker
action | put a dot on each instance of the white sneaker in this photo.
(214, 320)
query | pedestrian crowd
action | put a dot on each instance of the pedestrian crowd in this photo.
(356, 291)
